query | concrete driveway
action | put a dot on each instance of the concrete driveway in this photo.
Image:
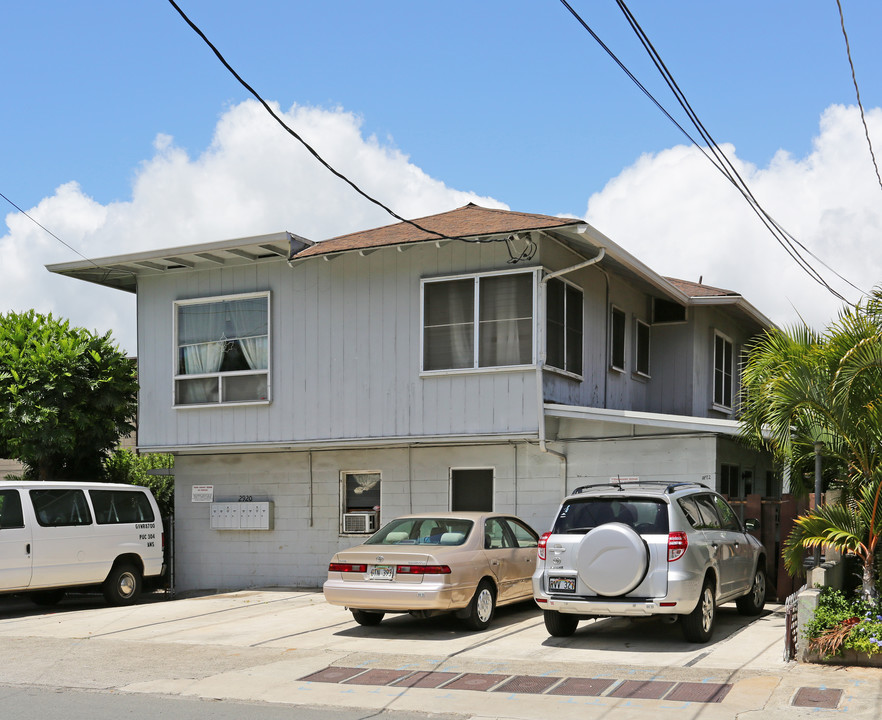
(289, 646)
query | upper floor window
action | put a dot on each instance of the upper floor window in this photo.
(617, 339)
(641, 348)
(564, 326)
(222, 350)
(478, 322)
(724, 359)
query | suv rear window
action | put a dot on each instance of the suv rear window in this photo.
(579, 515)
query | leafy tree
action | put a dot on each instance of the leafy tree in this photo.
(66, 396)
(803, 388)
(124, 466)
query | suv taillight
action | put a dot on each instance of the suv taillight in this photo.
(677, 544)
(543, 542)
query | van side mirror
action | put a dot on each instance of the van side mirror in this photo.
(752, 524)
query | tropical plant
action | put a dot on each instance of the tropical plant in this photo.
(124, 466)
(803, 388)
(853, 527)
(66, 396)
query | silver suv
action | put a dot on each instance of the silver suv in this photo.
(647, 548)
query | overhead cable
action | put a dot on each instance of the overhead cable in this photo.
(858, 92)
(714, 153)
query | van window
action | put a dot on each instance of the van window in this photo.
(58, 507)
(113, 507)
(10, 510)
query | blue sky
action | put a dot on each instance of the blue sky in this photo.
(117, 120)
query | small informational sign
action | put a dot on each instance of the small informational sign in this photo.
(619, 479)
(203, 493)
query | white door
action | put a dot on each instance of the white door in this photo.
(15, 543)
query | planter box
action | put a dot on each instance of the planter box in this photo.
(848, 657)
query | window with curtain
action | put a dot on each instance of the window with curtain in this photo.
(478, 322)
(223, 350)
(723, 371)
(563, 324)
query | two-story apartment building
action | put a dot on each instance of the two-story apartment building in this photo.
(485, 359)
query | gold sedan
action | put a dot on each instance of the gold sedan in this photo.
(463, 562)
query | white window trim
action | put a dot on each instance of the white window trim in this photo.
(616, 368)
(552, 368)
(341, 491)
(475, 368)
(637, 323)
(714, 404)
(176, 347)
(450, 471)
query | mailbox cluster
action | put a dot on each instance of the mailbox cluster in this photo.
(241, 516)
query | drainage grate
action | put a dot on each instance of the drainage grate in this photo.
(642, 689)
(333, 674)
(699, 692)
(582, 686)
(527, 684)
(378, 677)
(817, 697)
(476, 681)
(426, 679)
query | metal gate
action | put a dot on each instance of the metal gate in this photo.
(791, 626)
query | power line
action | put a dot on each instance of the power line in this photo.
(784, 238)
(717, 157)
(45, 229)
(107, 271)
(858, 92)
(299, 139)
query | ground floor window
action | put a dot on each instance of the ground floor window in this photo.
(729, 481)
(360, 502)
(471, 489)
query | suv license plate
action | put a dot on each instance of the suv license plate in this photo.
(562, 584)
(381, 572)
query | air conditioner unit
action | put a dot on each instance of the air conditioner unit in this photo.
(360, 522)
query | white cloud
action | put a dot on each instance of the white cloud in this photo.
(681, 217)
(253, 179)
(672, 210)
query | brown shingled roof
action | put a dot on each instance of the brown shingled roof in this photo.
(468, 221)
(695, 290)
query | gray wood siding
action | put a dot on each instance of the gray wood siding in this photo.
(345, 343)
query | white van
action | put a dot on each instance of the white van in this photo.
(56, 536)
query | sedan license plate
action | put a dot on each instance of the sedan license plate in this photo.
(381, 572)
(562, 584)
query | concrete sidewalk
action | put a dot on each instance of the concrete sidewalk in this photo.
(289, 646)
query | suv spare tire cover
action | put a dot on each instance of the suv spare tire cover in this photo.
(613, 559)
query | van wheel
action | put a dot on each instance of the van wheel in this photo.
(123, 585)
(482, 606)
(47, 598)
(560, 624)
(698, 626)
(363, 617)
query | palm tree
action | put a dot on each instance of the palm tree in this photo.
(801, 388)
(851, 527)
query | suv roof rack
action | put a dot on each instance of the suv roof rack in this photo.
(669, 486)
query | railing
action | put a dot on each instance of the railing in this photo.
(791, 625)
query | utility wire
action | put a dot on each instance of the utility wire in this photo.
(107, 272)
(716, 156)
(858, 92)
(45, 229)
(784, 238)
(299, 139)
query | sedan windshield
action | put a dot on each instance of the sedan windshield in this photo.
(422, 531)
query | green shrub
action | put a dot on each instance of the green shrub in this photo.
(844, 622)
